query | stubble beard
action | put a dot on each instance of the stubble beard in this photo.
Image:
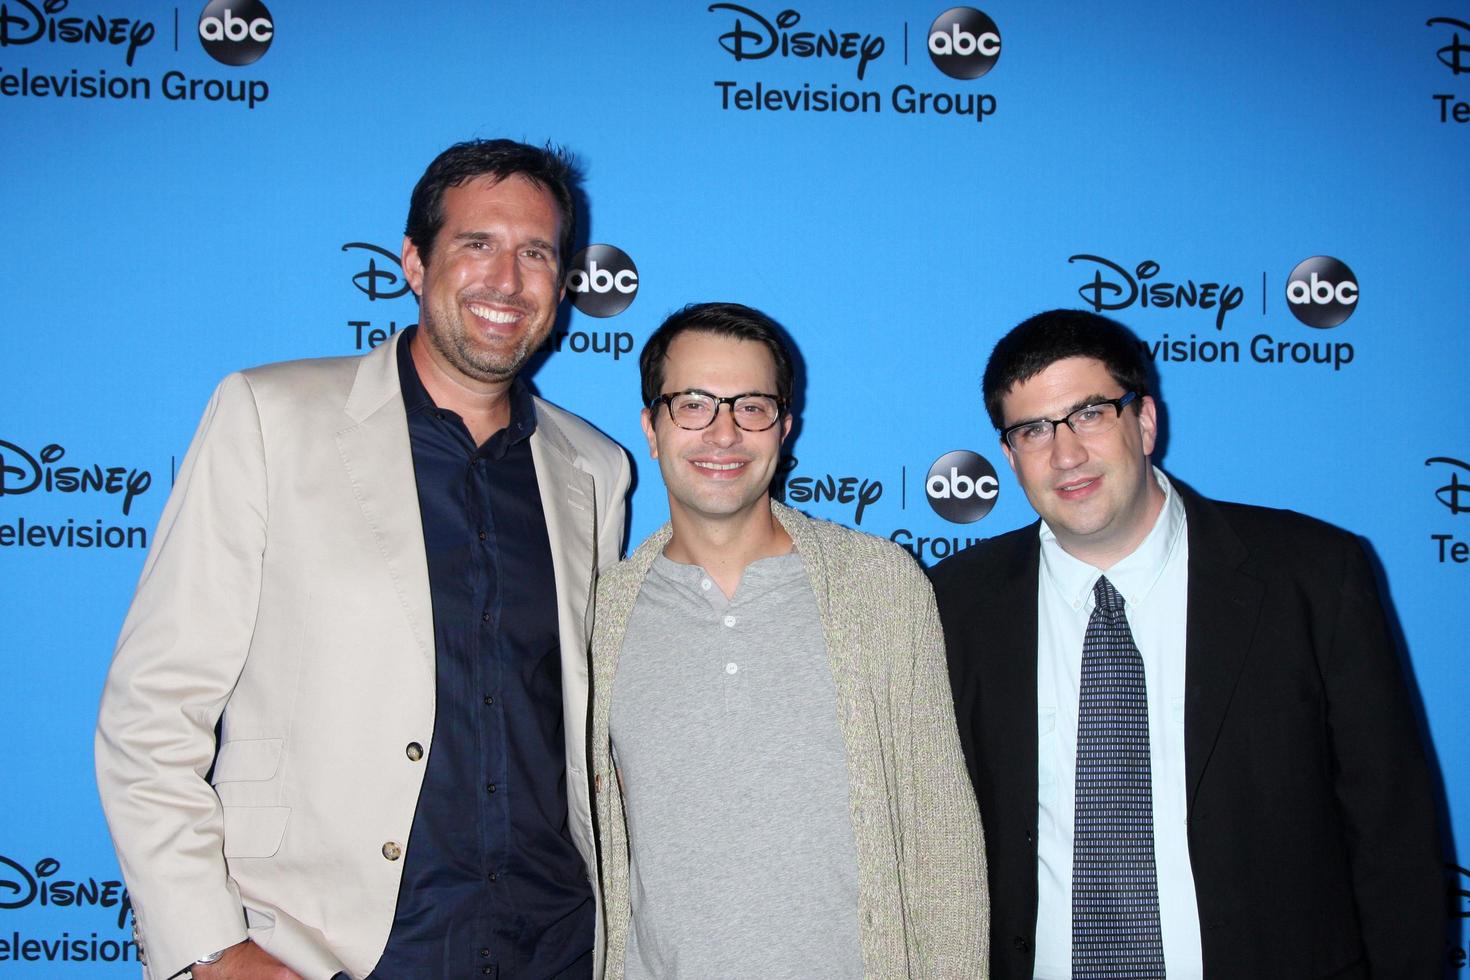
(481, 364)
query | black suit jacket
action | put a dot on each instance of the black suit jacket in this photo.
(1312, 831)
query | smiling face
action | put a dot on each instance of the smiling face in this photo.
(1098, 495)
(720, 474)
(489, 292)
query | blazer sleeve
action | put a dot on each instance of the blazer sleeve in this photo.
(944, 879)
(1382, 785)
(181, 649)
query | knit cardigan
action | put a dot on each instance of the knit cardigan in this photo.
(923, 907)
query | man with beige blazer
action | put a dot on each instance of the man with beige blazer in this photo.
(375, 576)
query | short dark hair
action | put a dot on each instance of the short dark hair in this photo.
(724, 320)
(549, 167)
(1035, 344)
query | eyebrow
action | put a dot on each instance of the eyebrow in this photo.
(1093, 399)
(485, 236)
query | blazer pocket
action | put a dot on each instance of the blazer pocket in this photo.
(254, 831)
(247, 760)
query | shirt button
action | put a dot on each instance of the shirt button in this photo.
(484, 617)
(492, 876)
(485, 952)
(489, 787)
(729, 620)
(489, 700)
(731, 668)
(482, 535)
(705, 584)
(487, 970)
(392, 851)
(414, 751)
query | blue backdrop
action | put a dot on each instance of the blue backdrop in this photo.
(188, 190)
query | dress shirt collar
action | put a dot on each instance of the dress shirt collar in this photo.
(1135, 576)
(416, 397)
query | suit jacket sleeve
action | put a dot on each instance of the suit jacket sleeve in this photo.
(1382, 786)
(181, 650)
(944, 880)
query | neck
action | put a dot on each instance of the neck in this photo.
(726, 547)
(483, 405)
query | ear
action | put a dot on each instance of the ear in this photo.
(1148, 423)
(1005, 447)
(645, 418)
(786, 424)
(413, 266)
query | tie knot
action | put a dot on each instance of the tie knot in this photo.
(1107, 597)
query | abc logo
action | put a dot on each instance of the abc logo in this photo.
(603, 280)
(961, 486)
(964, 43)
(236, 32)
(1322, 292)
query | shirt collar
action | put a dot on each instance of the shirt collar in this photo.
(1135, 575)
(758, 578)
(416, 397)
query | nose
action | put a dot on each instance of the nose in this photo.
(1067, 450)
(722, 431)
(504, 273)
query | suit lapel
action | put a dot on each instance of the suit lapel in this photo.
(376, 452)
(1011, 699)
(1224, 607)
(990, 629)
(568, 503)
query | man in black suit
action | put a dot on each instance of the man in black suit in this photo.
(1184, 720)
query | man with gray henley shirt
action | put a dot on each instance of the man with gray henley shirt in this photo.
(780, 787)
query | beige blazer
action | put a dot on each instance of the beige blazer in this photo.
(286, 597)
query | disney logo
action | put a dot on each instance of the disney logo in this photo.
(761, 39)
(838, 489)
(30, 24)
(1452, 55)
(1122, 289)
(375, 282)
(40, 885)
(1454, 495)
(21, 473)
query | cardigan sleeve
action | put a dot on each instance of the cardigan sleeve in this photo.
(946, 897)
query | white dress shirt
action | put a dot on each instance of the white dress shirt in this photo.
(1154, 582)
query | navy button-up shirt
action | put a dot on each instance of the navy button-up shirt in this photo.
(492, 883)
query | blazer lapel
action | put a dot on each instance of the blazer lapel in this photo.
(568, 503)
(1010, 697)
(376, 452)
(1224, 607)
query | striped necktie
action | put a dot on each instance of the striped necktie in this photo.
(1115, 892)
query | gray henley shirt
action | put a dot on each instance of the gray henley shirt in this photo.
(724, 731)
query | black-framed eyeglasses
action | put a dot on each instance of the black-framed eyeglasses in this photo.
(1089, 420)
(753, 411)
